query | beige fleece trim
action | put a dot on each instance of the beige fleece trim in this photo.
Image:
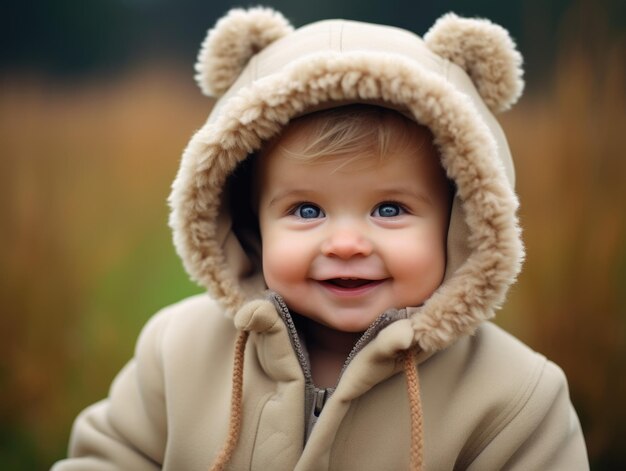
(486, 52)
(229, 45)
(469, 155)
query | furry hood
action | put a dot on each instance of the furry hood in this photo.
(264, 73)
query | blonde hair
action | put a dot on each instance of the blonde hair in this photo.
(354, 131)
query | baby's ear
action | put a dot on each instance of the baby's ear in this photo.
(486, 52)
(231, 43)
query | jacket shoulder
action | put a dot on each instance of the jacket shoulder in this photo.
(491, 357)
(501, 396)
(182, 353)
(194, 307)
(186, 320)
(193, 335)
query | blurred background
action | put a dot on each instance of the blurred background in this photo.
(97, 102)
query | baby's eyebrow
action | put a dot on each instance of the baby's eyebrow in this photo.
(399, 192)
(290, 193)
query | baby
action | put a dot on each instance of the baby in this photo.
(353, 211)
(349, 207)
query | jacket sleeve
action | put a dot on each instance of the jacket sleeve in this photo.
(542, 431)
(128, 429)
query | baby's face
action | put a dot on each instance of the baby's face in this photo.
(342, 243)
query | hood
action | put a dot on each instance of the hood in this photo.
(263, 73)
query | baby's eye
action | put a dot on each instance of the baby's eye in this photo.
(388, 210)
(308, 211)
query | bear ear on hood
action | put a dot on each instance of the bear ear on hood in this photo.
(231, 43)
(486, 52)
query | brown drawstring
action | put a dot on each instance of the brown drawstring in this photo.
(415, 406)
(234, 426)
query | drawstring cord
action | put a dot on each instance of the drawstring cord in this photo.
(234, 426)
(415, 406)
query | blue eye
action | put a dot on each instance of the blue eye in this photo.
(308, 211)
(388, 210)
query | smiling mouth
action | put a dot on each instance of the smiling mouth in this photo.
(350, 286)
(349, 283)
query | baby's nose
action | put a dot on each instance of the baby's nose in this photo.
(345, 243)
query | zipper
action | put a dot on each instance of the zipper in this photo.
(283, 310)
(319, 400)
(379, 324)
(316, 398)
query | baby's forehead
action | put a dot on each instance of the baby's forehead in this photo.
(350, 131)
(348, 141)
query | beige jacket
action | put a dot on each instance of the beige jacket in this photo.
(222, 379)
(489, 403)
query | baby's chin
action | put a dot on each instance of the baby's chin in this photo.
(349, 321)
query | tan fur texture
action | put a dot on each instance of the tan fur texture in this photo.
(232, 42)
(486, 52)
(470, 158)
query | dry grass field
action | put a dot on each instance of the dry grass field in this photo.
(86, 256)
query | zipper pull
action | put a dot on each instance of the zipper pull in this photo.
(319, 399)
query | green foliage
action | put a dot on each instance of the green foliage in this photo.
(86, 254)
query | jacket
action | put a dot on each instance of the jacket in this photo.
(222, 379)
(489, 403)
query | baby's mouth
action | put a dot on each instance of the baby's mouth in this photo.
(348, 283)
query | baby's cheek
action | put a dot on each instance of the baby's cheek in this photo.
(282, 263)
(419, 271)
